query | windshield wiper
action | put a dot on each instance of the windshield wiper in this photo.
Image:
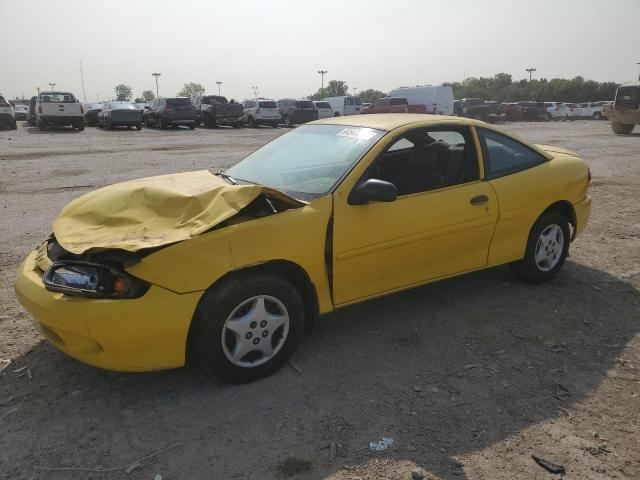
(228, 178)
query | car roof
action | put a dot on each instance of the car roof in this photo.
(391, 121)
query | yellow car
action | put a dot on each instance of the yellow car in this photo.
(227, 269)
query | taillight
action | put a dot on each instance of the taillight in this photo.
(39, 108)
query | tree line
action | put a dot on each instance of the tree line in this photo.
(500, 87)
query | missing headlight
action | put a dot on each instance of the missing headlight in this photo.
(92, 280)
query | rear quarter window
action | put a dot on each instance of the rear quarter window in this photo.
(505, 156)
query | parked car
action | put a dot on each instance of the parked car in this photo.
(572, 110)
(556, 111)
(7, 114)
(261, 112)
(91, 112)
(21, 111)
(119, 114)
(393, 105)
(437, 99)
(296, 112)
(171, 111)
(32, 118)
(590, 110)
(324, 109)
(59, 109)
(344, 105)
(480, 109)
(215, 110)
(512, 112)
(624, 113)
(534, 111)
(226, 269)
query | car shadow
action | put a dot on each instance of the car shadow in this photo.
(36, 131)
(444, 370)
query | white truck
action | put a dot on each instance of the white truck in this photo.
(344, 105)
(436, 98)
(59, 109)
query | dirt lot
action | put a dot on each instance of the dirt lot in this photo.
(470, 376)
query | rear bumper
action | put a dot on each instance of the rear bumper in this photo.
(583, 212)
(147, 333)
(61, 121)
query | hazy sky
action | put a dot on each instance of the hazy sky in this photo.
(280, 45)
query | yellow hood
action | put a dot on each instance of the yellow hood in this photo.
(150, 212)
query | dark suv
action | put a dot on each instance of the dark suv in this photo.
(171, 111)
(294, 112)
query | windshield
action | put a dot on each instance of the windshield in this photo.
(322, 104)
(305, 104)
(268, 105)
(55, 97)
(178, 102)
(307, 162)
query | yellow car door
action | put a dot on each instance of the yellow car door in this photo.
(440, 224)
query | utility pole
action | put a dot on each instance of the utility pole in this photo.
(355, 92)
(530, 70)
(218, 83)
(322, 74)
(52, 85)
(156, 75)
(638, 63)
(255, 92)
(84, 93)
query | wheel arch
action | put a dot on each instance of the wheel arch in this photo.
(291, 271)
(564, 207)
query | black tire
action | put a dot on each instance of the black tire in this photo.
(275, 125)
(81, 127)
(192, 126)
(13, 126)
(287, 121)
(138, 126)
(219, 302)
(337, 114)
(208, 121)
(597, 116)
(251, 122)
(622, 128)
(528, 269)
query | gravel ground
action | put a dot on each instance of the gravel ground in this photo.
(469, 376)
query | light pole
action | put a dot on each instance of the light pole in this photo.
(322, 74)
(52, 85)
(156, 75)
(355, 92)
(530, 70)
(638, 63)
(218, 83)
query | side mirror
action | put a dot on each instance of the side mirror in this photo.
(373, 190)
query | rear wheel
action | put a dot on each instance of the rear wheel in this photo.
(597, 115)
(288, 122)
(138, 126)
(252, 122)
(192, 126)
(622, 128)
(248, 326)
(337, 114)
(547, 249)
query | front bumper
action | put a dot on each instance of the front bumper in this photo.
(147, 333)
(582, 210)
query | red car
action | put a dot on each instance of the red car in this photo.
(393, 105)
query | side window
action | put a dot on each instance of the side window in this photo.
(427, 159)
(504, 155)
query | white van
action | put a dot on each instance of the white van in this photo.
(59, 109)
(344, 105)
(437, 99)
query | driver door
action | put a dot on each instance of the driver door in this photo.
(443, 229)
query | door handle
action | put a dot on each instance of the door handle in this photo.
(479, 200)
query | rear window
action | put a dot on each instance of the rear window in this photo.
(123, 106)
(399, 101)
(268, 105)
(95, 106)
(3, 102)
(55, 97)
(304, 104)
(215, 98)
(628, 93)
(323, 105)
(178, 102)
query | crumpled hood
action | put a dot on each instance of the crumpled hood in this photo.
(553, 151)
(150, 212)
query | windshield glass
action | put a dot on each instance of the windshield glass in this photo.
(178, 102)
(268, 105)
(307, 162)
(56, 97)
(322, 104)
(305, 104)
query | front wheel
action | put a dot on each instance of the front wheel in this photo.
(597, 116)
(247, 327)
(622, 128)
(138, 126)
(547, 249)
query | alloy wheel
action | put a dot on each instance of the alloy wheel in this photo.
(549, 247)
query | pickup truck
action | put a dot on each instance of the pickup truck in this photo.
(215, 110)
(59, 109)
(624, 112)
(480, 109)
(393, 105)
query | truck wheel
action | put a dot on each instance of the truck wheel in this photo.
(192, 126)
(208, 121)
(597, 116)
(138, 126)
(251, 121)
(81, 127)
(622, 128)
(337, 114)
(288, 122)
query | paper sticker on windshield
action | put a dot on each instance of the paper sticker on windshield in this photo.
(357, 133)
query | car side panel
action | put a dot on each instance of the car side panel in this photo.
(523, 196)
(297, 235)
